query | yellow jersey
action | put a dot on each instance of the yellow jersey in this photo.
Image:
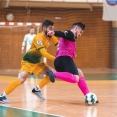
(39, 43)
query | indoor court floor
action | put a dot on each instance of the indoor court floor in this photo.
(62, 99)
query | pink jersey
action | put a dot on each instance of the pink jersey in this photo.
(66, 48)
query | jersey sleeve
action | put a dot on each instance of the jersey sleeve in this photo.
(67, 34)
(38, 42)
(54, 40)
(44, 53)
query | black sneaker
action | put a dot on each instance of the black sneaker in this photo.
(38, 94)
(3, 99)
(97, 102)
(51, 75)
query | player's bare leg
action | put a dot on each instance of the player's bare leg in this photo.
(82, 84)
(22, 76)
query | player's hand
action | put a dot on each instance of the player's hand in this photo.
(50, 33)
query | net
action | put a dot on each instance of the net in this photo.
(11, 43)
(95, 48)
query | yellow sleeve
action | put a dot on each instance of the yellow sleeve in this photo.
(54, 40)
(38, 42)
(44, 53)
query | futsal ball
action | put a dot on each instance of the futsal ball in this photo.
(90, 98)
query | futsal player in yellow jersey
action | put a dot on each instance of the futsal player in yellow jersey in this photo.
(31, 62)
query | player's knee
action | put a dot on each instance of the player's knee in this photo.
(80, 73)
(77, 78)
(22, 77)
(21, 80)
(50, 68)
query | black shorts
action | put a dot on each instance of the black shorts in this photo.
(65, 64)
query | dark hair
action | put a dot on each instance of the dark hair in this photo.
(80, 24)
(46, 23)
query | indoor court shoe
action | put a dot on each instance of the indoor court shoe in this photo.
(51, 75)
(38, 93)
(97, 101)
(3, 99)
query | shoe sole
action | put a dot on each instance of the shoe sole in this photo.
(38, 96)
(4, 102)
(97, 102)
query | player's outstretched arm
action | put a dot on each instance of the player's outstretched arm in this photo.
(44, 53)
(66, 34)
(56, 33)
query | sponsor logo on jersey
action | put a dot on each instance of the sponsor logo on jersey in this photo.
(39, 42)
(65, 32)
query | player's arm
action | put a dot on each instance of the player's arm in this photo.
(39, 45)
(44, 53)
(66, 34)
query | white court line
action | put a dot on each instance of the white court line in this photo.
(31, 110)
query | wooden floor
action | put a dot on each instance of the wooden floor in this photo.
(62, 99)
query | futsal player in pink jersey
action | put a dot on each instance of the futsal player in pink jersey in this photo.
(63, 63)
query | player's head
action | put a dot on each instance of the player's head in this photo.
(77, 29)
(32, 30)
(47, 25)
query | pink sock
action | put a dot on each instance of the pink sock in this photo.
(66, 76)
(83, 85)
